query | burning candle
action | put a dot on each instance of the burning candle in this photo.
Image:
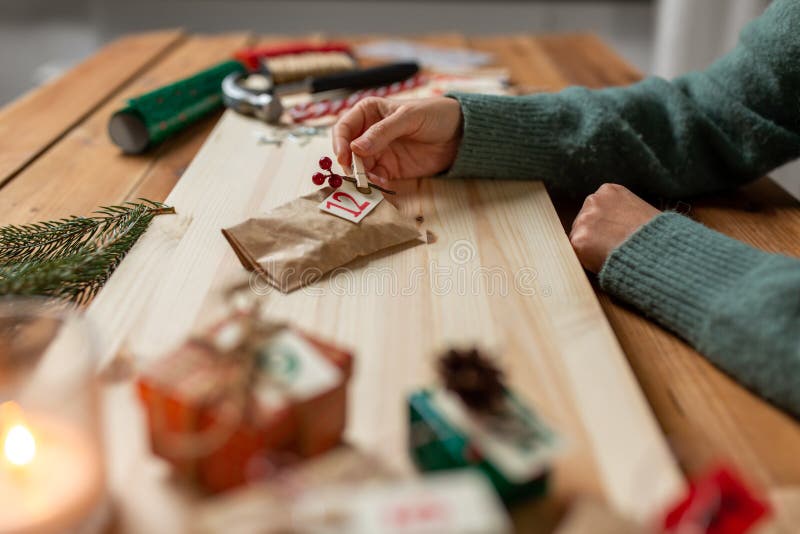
(51, 477)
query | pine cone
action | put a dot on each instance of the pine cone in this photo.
(474, 378)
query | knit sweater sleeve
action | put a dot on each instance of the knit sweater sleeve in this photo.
(737, 305)
(704, 132)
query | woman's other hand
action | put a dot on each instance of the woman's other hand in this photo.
(608, 217)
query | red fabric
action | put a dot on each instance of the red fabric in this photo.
(251, 56)
(717, 503)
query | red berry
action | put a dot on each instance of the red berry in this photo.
(335, 181)
(318, 178)
(325, 163)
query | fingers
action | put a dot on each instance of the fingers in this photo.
(607, 219)
(380, 134)
(379, 177)
(353, 123)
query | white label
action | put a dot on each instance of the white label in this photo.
(459, 502)
(298, 367)
(454, 503)
(350, 204)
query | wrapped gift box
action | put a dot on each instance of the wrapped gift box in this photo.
(513, 448)
(244, 400)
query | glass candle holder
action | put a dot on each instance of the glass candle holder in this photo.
(52, 477)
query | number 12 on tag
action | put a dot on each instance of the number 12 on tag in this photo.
(349, 204)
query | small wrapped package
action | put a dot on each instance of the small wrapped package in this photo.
(718, 502)
(476, 421)
(296, 243)
(243, 400)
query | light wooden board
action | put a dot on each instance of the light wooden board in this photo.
(33, 122)
(556, 344)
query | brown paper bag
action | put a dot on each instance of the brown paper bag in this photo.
(296, 244)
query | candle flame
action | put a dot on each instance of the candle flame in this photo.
(19, 445)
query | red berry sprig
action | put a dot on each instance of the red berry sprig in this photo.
(334, 180)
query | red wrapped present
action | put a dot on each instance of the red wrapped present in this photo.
(244, 400)
(717, 503)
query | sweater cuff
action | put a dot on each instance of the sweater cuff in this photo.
(675, 269)
(506, 137)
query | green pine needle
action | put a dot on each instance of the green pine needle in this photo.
(71, 258)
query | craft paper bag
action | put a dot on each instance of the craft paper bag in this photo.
(296, 244)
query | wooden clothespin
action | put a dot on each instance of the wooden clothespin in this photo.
(362, 184)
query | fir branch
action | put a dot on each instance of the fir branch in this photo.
(53, 239)
(76, 265)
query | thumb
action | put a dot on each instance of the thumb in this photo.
(378, 136)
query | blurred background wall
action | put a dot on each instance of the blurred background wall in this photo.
(49, 35)
(41, 38)
(690, 34)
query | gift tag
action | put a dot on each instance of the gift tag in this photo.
(297, 367)
(350, 204)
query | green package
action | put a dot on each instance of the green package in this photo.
(438, 442)
(150, 118)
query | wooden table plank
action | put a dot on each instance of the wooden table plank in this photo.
(540, 375)
(584, 59)
(35, 121)
(556, 344)
(524, 56)
(705, 414)
(85, 169)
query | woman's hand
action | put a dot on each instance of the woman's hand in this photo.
(400, 139)
(608, 217)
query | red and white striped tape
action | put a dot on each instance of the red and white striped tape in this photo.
(315, 110)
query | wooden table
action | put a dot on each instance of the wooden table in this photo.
(56, 160)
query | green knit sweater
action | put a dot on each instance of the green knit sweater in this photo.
(704, 132)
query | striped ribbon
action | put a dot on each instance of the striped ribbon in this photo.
(315, 110)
